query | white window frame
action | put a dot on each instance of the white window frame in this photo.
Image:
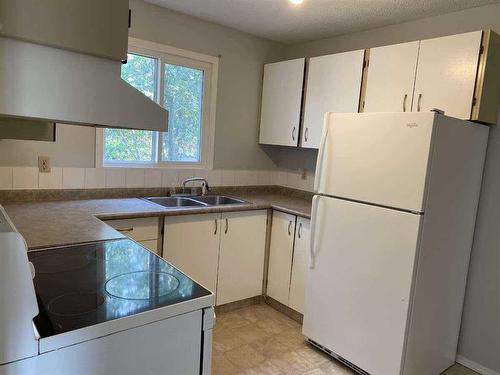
(167, 54)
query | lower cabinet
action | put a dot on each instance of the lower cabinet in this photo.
(143, 230)
(191, 243)
(280, 256)
(223, 252)
(241, 257)
(300, 265)
(288, 256)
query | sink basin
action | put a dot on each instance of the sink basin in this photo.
(218, 200)
(173, 202)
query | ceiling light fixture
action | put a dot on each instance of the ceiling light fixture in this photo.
(296, 2)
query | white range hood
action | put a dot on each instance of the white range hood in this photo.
(38, 82)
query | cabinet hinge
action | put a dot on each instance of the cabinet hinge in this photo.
(474, 101)
(366, 63)
(129, 18)
(481, 50)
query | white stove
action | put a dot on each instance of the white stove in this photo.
(109, 307)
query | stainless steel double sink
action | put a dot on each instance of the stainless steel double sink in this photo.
(195, 201)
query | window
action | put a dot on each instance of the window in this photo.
(182, 82)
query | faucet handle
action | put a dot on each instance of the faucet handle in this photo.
(204, 187)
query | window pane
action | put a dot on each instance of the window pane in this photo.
(139, 71)
(128, 145)
(133, 145)
(183, 98)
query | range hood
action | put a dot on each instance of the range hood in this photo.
(60, 62)
(51, 84)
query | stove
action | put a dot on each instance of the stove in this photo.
(83, 285)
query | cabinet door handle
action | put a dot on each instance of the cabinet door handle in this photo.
(215, 221)
(290, 228)
(293, 133)
(404, 102)
(227, 226)
(306, 133)
(129, 229)
(419, 102)
(299, 232)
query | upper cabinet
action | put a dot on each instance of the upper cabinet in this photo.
(446, 74)
(281, 102)
(391, 77)
(455, 74)
(333, 85)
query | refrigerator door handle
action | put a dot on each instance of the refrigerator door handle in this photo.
(314, 213)
(321, 154)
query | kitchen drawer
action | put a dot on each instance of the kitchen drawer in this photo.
(150, 245)
(140, 229)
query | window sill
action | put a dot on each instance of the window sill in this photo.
(155, 166)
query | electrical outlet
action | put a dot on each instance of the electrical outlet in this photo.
(44, 164)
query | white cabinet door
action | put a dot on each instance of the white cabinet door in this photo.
(242, 250)
(300, 265)
(333, 85)
(191, 243)
(281, 102)
(280, 256)
(446, 74)
(391, 77)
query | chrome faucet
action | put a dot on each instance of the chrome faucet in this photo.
(204, 184)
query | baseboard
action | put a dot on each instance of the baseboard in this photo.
(475, 366)
(292, 314)
(236, 305)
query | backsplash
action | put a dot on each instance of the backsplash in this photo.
(17, 178)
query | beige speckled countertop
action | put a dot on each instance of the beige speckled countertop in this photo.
(54, 223)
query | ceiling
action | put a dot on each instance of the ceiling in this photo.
(284, 22)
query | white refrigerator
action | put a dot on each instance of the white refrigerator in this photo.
(391, 232)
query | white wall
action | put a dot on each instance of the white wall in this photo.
(74, 147)
(480, 334)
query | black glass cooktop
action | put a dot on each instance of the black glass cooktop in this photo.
(78, 286)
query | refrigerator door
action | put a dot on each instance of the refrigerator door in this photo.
(380, 158)
(358, 289)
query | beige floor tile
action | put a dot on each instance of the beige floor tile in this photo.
(226, 340)
(316, 371)
(250, 333)
(293, 338)
(292, 363)
(270, 347)
(314, 355)
(334, 367)
(222, 366)
(265, 368)
(273, 326)
(230, 320)
(244, 357)
(256, 313)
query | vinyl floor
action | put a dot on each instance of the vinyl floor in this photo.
(258, 340)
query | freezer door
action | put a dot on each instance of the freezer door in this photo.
(358, 291)
(379, 158)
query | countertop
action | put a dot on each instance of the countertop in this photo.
(56, 223)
